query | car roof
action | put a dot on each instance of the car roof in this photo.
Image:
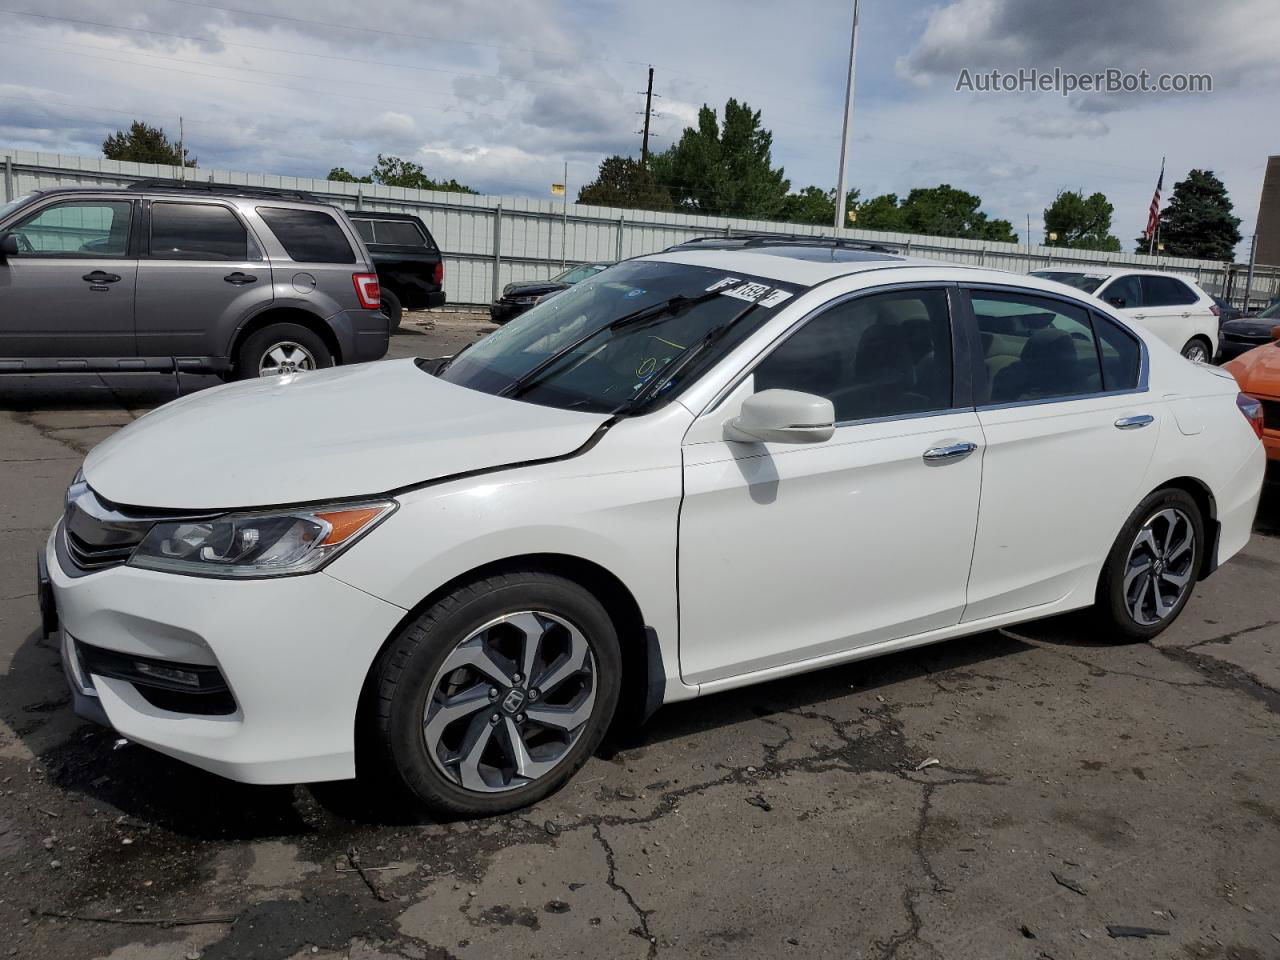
(806, 265)
(1113, 272)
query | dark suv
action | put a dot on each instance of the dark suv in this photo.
(195, 277)
(410, 268)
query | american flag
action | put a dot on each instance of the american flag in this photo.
(1153, 217)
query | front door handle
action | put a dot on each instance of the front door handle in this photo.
(949, 453)
(1139, 316)
(101, 276)
(1135, 422)
(239, 279)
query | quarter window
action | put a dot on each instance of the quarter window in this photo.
(81, 228)
(1034, 348)
(197, 231)
(308, 236)
(877, 356)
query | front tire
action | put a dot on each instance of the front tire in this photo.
(1152, 567)
(281, 348)
(494, 697)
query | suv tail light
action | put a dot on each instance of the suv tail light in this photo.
(438, 276)
(1216, 310)
(367, 291)
(1251, 407)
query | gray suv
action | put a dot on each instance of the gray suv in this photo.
(166, 276)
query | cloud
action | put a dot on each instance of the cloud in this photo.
(1062, 125)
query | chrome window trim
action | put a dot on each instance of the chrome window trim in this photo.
(892, 418)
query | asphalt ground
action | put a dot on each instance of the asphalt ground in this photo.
(1010, 794)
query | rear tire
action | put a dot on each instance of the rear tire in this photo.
(281, 348)
(436, 689)
(1198, 350)
(392, 309)
(1152, 568)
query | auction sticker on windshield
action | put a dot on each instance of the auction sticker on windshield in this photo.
(758, 293)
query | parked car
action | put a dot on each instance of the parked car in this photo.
(1225, 310)
(1174, 308)
(710, 467)
(1258, 373)
(193, 277)
(410, 267)
(520, 296)
(1245, 333)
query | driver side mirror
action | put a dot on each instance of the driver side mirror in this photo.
(1116, 301)
(8, 245)
(783, 416)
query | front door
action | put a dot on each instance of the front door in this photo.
(69, 290)
(795, 552)
(1070, 430)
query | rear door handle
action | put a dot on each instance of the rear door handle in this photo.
(239, 278)
(100, 276)
(949, 453)
(1135, 422)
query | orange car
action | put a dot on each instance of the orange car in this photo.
(1258, 373)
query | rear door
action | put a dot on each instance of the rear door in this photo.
(202, 272)
(69, 291)
(1173, 310)
(1070, 429)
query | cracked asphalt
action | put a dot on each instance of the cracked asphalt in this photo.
(1011, 795)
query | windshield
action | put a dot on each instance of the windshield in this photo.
(1088, 282)
(578, 274)
(1271, 311)
(578, 351)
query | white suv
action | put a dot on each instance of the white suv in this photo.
(721, 464)
(1174, 308)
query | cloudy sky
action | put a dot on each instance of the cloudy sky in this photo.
(499, 93)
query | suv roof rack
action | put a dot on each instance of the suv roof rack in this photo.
(746, 240)
(222, 189)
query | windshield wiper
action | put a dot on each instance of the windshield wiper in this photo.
(654, 311)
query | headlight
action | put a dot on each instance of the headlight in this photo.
(258, 544)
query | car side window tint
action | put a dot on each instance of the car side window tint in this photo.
(404, 233)
(308, 236)
(1126, 289)
(878, 356)
(1166, 292)
(196, 231)
(365, 229)
(78, 228)
(1120, 352)
(1034, 348)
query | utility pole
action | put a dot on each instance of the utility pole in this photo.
(182, 152)
(564, 224)
(1028, 233)
(648, 110)
(848, 112)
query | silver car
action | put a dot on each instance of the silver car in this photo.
(192, 277)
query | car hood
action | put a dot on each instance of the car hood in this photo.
(532, 288)
(345, 432)
(1258, 369)
(1249, 327)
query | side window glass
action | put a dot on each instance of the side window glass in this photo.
(1034, 348)
(1167, 292)
(1126, 289)
(365, 229)
(878, 356)
(1120, 353)
(196, 231)
(308, 236)
(82, 228)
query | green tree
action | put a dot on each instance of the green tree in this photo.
(817, 206)
(724, 168)
(624, 182)
(1198, 221)
(144, 144)
(1080, 222)
(395, 172)
(941, 211)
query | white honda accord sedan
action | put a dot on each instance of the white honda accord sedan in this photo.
(728, 462)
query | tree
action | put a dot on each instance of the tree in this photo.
(818, 206)
(624, 182)
(724, 168)
(1082, 223)
(941, 211)
(144, 144)
(395, 172)
(1198, 221)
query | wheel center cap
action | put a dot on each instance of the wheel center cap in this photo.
(514, 700)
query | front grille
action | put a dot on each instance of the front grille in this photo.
(87, 556)
(1246, 338)
(97, 534)
(1271, 414)
(165, 684)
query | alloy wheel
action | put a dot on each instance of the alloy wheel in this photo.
(285, 357)
(510, 701)
(1159, 568)
(1195, 352)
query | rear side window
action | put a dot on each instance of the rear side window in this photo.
(196, 231)
(1120, 353)
(879, 356)
(405, 233)
(1166, 292)
(1035, 348)
(308, 236)
(365, 229)
(1125, 292)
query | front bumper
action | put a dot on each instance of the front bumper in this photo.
(1230, 349)
(294, 652)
